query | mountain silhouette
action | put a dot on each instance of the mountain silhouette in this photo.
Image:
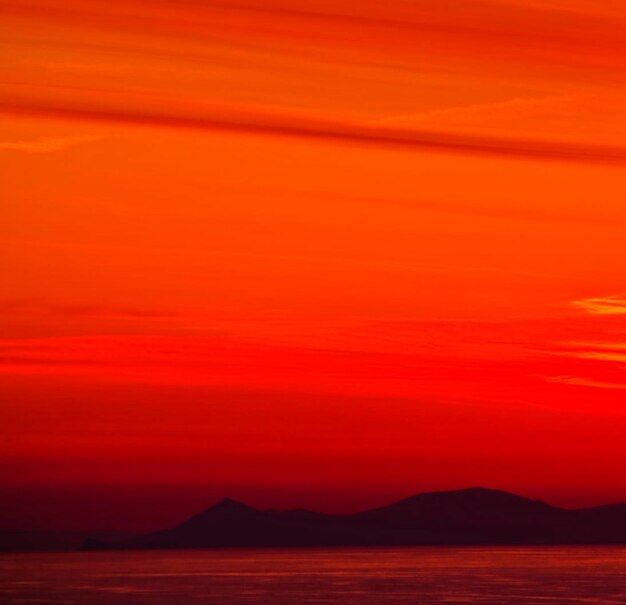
(470, 516)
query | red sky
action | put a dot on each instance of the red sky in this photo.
(309, 253)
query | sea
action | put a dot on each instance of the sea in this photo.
(373, 576)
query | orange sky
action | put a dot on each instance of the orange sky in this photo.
(310, 252)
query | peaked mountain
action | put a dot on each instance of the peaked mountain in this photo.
(467, 516)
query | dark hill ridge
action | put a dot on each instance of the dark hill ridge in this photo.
(462, 517)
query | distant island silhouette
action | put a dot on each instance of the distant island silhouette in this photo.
(473, 516)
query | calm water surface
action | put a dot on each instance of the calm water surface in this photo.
(420, 576)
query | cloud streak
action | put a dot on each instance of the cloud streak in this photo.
(46, 144)
(597, 351)
(259, 122)
(516, 29)
(585, 382)
(77, 311)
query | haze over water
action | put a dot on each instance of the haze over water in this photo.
(532, 576)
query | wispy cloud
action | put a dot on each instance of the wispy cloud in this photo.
(46, 144)
(593, 112)
(585, 382)
(479, 112)
(605, 305)
(598, 351)
(615, 356)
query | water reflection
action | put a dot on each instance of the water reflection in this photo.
(424, 576)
